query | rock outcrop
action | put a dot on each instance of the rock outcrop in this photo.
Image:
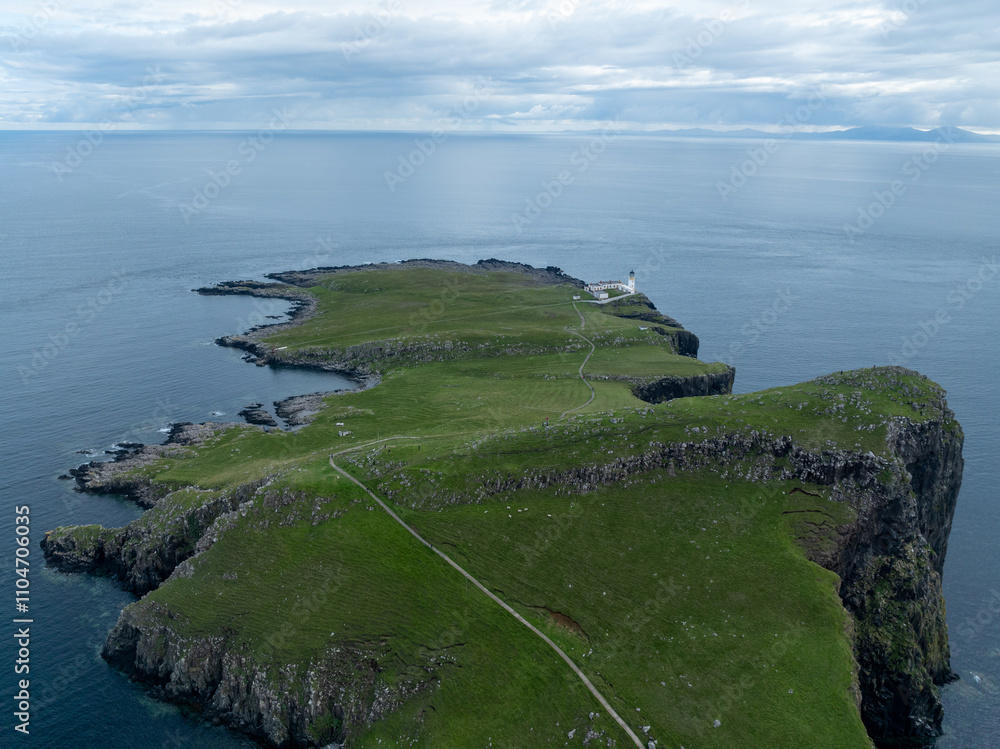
(123, 475)
(299, 410)
(143, 554)
(890, 557)
(255, 414)
(640, 307)
(290, 706)
(668, 388)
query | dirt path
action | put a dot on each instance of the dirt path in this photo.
(593, 348)
(583, 677)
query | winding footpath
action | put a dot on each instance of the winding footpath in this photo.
(593, 348)
(583, 677)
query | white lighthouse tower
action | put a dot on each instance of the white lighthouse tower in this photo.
(619, 285)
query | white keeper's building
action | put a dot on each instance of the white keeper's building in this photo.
(627, 288)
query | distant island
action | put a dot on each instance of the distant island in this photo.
(867, 132)
(537, 520)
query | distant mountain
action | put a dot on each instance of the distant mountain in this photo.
(867, 132)
(874, 132)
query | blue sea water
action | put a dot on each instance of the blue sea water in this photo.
(104, 342)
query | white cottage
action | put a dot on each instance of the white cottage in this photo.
(606, 286)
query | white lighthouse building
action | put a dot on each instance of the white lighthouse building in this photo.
(627, 288)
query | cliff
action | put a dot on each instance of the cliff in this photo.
(143, 554)
(283, 706)
(640, 308)
(279, 600)
(668, 388)
(889, 557)
(891, 561)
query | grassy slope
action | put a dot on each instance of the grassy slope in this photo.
(691, 601)
(415, 302)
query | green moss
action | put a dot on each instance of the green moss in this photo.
(84, 538)
(326, 729)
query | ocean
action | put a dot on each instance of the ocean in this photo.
(788, 262)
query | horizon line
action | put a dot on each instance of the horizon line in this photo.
(596, 127)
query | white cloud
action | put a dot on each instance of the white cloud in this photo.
(552, 63)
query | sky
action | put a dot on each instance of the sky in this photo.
(499, 65)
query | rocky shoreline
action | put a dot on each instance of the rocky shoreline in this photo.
(300, 410)
(286, 710)
(358, 363)
(121, 474)
(256, 415)
(889, 558)
(544, 276)
(363, 363)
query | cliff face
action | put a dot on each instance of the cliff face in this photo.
(640, 307)
(890, 557)
(143, 554)
(668, 388)
(891, 561)
(284, 706)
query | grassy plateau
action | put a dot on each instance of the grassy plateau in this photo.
(683, 593)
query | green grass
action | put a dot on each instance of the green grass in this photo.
(647, 360)
(696, 600)
(419, 302)
(672, 612)
(468, 316)
(359, 580)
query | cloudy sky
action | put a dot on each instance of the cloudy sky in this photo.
(522, 65)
